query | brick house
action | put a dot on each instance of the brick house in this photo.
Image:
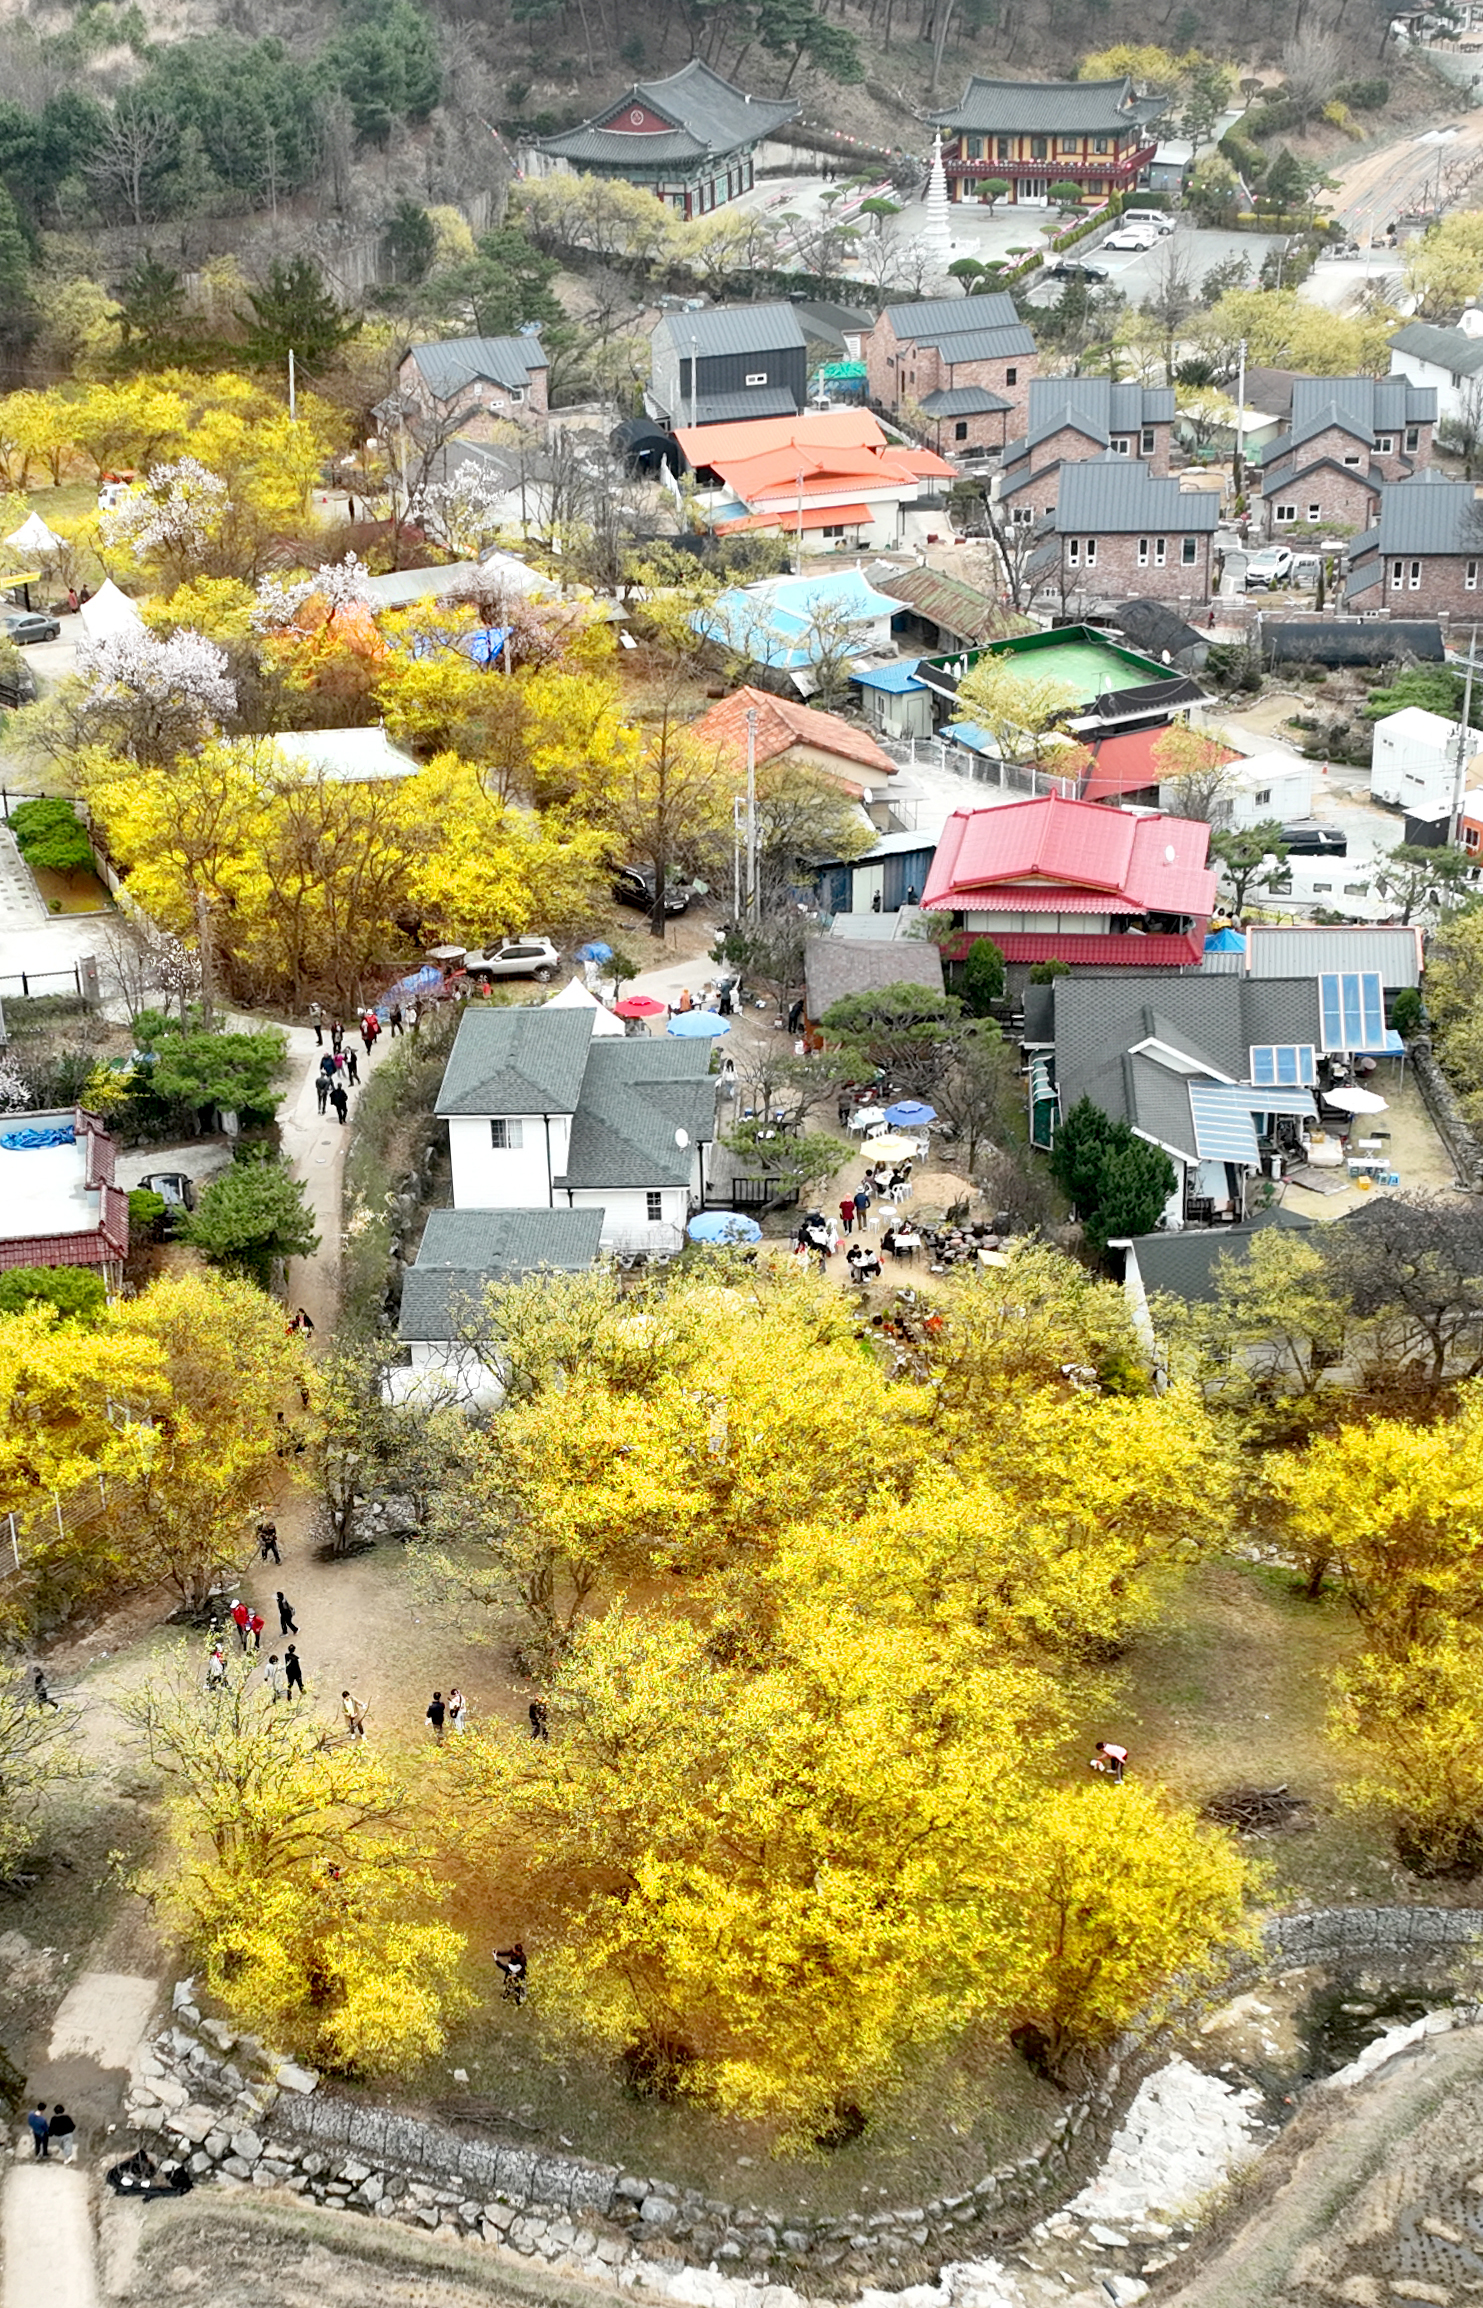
(483, 381)
(1348, 437)
(929, 356)
(1073, 418)
(1032, 134)
(1425, 552)
(1119, 529)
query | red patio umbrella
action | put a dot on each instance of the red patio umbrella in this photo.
(638, 1006)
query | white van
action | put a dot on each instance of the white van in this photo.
(1161, 221)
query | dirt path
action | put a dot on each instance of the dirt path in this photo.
(48, 2238)
(1386, 184)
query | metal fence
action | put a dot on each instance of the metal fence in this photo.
(980, 769)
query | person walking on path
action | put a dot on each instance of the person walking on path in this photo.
(539, 1727)
(287, 1623)
(511, 1961)
(395, 1020)
(275, 1679)
(341, 1103)
(267, 1542)
(40, 1693)
(39, 2127)
(316, 1020)
(352, 1068)
(257, 1623)
(322, 1091)
(436, 1716)
(216, 1669)
(240, 1618)
(337, 1035)
(62, 2128)
(847, 1214)
(861, 1199)
(457, 1709)
(355, 1715)
(293, 1672)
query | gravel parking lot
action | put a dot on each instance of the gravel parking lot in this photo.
(1140, 275)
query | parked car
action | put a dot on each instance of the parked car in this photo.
(1152, 219)
(634, 886)
(1272, 566)
(1315, 841)
(26, 625)
(1305, 569)
(1076, 268)
(1139, 236)
(173, 1187)
(517, 958)
(17, 685)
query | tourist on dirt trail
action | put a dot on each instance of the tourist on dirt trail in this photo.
(293, 1671)
(355, 1715)
(275, 1678)
(337, 1035)
(322, 1090)
(457, 1709)
(267, 1542)
(1111, 1761)
(511, 1961)
(257, 1624)
(862, 1203)
(240, 1617)
(847, 1214)
(437, 1714)
(40, 1693)
(394, 1019)
(40, 2128)
(216, 1668)
(316, 1020)
(340, 1100)
(539, 1726)
(368, 1031)
(63, 2129)
(352, 1068)
(287, 1624)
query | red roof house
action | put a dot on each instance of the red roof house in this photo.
(832, 470)
(1077, 882)
(60, 1205)
(1127, 765)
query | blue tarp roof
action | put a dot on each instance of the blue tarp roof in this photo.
(897, 680)
(1225, 942)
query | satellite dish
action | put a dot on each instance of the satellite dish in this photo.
(682, 1138)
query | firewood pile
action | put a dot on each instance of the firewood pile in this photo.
(1259, 1810)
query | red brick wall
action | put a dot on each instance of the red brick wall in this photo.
(1343, 498)
(987, 431)
(485, 403)
(909, 372)
(1117, 572)
(1443, 586)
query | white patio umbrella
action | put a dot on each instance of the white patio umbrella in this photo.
(867, 1117)
(1354, 1101)
(890, 1148)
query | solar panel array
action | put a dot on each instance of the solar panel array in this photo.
(1292, 1063)
(1352, 1009)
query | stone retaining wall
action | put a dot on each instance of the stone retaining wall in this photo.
(255, 2120)
(1448, 1119)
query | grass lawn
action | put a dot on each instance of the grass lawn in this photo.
(80, 893)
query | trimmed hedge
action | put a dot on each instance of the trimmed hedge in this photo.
(1106, 214)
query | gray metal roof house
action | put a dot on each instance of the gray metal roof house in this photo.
(722, 366)
(1307, 950)
(463, 1251)
(1424, 551)
(1449, 360)
(690, 138)
(492, 377)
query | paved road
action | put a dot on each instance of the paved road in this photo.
(1385, 184)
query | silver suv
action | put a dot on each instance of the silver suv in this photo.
(517, 958)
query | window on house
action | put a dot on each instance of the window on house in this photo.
(508, 1135)
(517, 392)
(1039, 147)
(1143, 552)
(975, 148)
(1352, 460)
(1091, 552)
(1024, 515)
(1470, 837)
(1356, 889)
(1011, 376)
(1120, 448)
(1070, 144)
(1073, 552)
(1315, 512)
(1145, 442)
(1189, 551)
(654, 1207)
(833, 530)
(960, 429)
(1004, 148)
(1322, 889)
(1385, 443)
(757, 377)
(1160, 549)
(1396, 570)
(1413, 437)
(1099, 144)
(1414, 579)
(1286, 513)
(1264, 795)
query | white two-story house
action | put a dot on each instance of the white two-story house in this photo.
(609, 1137)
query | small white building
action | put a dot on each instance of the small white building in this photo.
(1260, 787)
(1414, 764)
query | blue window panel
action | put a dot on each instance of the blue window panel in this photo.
(1278, 1098)
(1289, 1063)
(1352, 1006)
(1223, 1126)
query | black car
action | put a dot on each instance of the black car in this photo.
(18, 686)
(26, 625)
(1315, 841)
(634, 886)
(1076, 268)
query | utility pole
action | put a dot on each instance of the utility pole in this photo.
(208, 962)
(751, 813)
(1464, 740)
(293, 396)
(1238, 460)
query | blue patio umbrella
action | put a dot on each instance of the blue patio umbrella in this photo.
(698, 1025)
(910, 1114)
(723, 1226)
(596, 952)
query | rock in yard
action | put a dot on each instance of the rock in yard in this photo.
(292, 2078)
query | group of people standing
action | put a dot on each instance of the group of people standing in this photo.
(339, 1068)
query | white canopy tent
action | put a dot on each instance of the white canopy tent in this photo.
(109, 612)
